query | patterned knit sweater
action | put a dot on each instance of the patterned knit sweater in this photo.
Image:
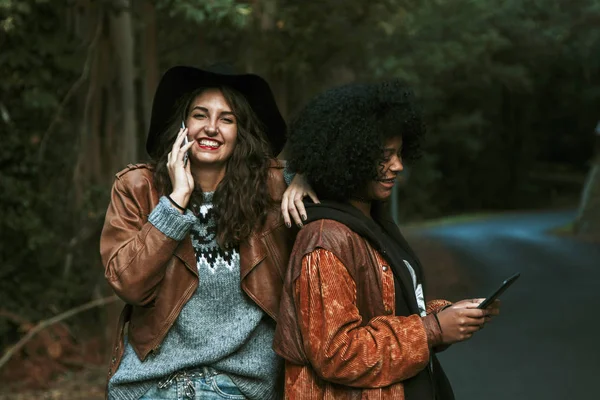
(219, 326)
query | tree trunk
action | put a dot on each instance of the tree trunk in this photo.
(106, 120)
(108, 134)
(122, 41)
(149, 59)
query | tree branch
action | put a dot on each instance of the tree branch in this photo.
(51, 321)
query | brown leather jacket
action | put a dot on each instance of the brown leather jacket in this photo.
(156, 275)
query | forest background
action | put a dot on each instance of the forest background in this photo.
(511, 89)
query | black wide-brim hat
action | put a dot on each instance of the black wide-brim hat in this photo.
(180, 80)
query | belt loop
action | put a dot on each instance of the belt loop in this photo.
(207, 374)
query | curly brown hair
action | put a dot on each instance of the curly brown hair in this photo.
(242, 199)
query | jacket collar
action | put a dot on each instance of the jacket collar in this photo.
(374, 231)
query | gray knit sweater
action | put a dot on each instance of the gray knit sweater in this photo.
(218, 327)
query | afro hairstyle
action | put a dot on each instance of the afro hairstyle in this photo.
(337, 140)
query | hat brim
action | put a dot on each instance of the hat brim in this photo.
(181, 80)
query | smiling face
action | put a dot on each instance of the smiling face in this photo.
(380, 188)
(213, 127)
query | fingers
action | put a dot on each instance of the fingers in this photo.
(474, 303)
(178, 140)
(460, 321)
(465, 332)
(493, 312)
(184, 149)
(470, 329)
(495, 307)
(474, 313)
(466, 304)
(293, 210)
(474, 321)
(313, 196)
(472, 325)
(176, 151)
(284, 208)
(463, 320)
(300, 211)
(292, 207)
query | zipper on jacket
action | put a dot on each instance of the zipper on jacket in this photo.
(161, 337)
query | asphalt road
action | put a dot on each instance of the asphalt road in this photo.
(546, 343)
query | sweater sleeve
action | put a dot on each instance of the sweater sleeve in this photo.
(435, 306)
(169, 221)
(288, 175)
(134, 251)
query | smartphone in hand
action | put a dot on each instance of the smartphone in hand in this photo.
(505, 285)
(185, 141)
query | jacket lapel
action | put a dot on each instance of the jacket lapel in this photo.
(373, 231)
(252, 252)
(185, 252)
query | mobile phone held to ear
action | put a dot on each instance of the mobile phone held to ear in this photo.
(505, 285)
(185, 141)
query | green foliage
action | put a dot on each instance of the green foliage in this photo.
(200, 12)
(507, 86)
(495, 78)
(38, 67)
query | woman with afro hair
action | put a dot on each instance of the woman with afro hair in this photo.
(353, 321)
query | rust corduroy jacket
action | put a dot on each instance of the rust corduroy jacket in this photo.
(337, 329)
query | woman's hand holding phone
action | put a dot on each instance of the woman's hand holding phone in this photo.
(462, 319)
(179, 169)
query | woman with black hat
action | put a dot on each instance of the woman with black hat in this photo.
(195, 244)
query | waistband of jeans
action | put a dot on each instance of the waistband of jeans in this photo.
(197, 372)
(200, 372)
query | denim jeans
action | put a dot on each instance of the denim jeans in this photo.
(199, 384)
